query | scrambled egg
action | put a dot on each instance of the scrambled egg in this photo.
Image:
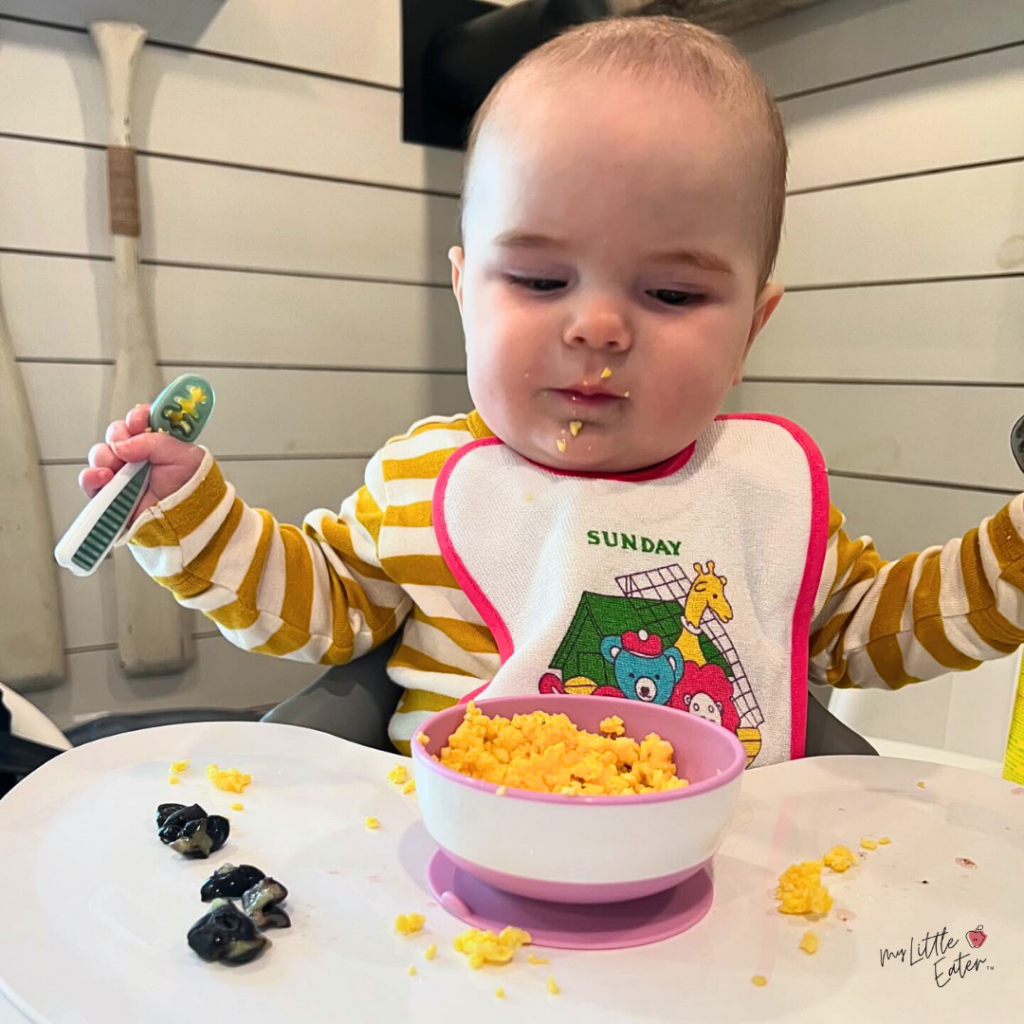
(553, 985)
(430, 952)
(409, 787)
(884, 841)
(868, 844)
(423, 738)
(179, 766)
(406, 924)
(372, 823)
(549, 754)
(487, 948)
(612, 726)
(809, 943)
(800, 889)
(174, 780)
(537, 959)
(839, 858)
(412, 969)
(499, 993)
(231, 779)
(759, 980)
(397, 774)
(238, 807)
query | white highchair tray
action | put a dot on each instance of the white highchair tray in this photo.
(94, 899)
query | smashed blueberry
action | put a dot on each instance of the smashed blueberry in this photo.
(174, 823)
(226, 934)
(202, 836)
(261, 903)
(164, 811)
(230, 881)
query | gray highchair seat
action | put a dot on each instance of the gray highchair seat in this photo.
(356, 701)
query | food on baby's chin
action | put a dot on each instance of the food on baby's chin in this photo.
(487, 948)
(230, 780)
(800, 890)
(809, 943)
(190, 830)
(840, 858)
(408, 924)
(549, 754)
(226, 934)
(560, 444)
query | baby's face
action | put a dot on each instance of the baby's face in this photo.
(612, 228)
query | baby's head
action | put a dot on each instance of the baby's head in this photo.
(601, 152)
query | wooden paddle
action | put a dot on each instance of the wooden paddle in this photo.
(31, 628)
(151, 629)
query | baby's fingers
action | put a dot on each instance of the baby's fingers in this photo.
(102, 457)
(117, 431)
(137, 420)
(92, 481)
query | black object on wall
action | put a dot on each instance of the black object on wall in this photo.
(454, 51)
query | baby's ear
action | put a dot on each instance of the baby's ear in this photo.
(766, 304)
(457, 256)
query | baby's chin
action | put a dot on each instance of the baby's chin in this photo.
(598, 451)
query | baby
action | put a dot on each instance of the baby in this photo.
(594, 525)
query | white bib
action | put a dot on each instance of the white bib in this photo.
(692, 584)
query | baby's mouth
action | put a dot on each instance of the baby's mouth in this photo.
(588, 396)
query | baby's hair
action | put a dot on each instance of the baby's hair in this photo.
(661, 48)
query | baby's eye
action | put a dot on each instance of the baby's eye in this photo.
(674, 298)
(529, 282)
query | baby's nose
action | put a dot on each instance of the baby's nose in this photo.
(600, 326)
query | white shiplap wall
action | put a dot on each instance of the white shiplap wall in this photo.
(293, 244)
(900, 345)
(297, 247)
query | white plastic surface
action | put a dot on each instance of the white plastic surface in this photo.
(102, 905)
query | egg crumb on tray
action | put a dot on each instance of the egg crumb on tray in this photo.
(430, 952)
(550, 754)
(487, 948)
(407, 924)
(868, 844)
(840, 858)
(759, 980)
(178, 766)
(397, 775)
(809, 943)
(371, 823)
(231, 780)
(409, 787)
(800, 890)
(553, 985)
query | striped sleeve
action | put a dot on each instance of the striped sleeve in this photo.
(946, 609)
(315, 594)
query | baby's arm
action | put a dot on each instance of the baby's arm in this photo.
(885, 624)
(316, 594)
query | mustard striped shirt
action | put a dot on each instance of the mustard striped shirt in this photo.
(348, 580)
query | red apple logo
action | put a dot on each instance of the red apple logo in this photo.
(977, 937)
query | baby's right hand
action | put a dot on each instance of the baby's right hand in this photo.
(174, 462)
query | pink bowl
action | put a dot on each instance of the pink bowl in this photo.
(583, 849)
